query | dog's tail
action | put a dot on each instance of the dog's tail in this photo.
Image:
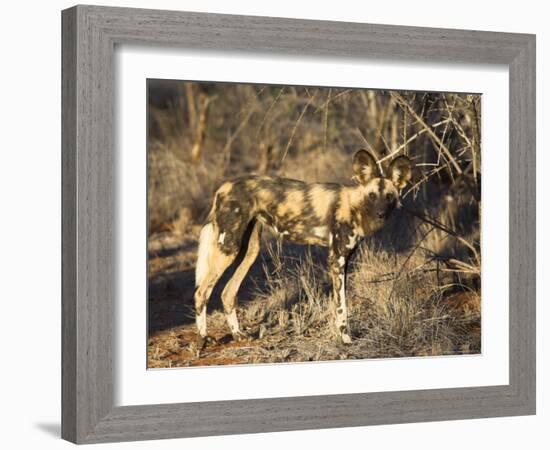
(206, 243)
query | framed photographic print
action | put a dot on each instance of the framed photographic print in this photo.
(268, 222)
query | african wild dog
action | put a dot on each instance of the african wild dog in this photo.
(326, 214)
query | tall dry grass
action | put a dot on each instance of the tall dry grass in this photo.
(399, 306)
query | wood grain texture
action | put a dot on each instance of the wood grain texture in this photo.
(68, 225)
(523, 224)
(89, 36)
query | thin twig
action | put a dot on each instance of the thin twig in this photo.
(371, 149)
(400, 271)
(405, 104)
(323, 105)
(326, 121)
(423, 180)
(402, 146)
(269, 110)
(440, 226)
(296, 126)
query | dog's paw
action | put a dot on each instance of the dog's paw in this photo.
(202, 342)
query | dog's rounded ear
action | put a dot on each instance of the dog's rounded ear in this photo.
(400, 171)
(364, 166)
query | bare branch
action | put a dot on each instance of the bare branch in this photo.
(405, 104)
(268, 111)
(296, 126)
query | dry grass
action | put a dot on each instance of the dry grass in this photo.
(413, 289)
(399, 305)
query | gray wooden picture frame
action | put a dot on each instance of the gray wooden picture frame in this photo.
(90, 34)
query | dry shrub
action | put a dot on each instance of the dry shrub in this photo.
(398, 307)
(294, 299)
(177, 187)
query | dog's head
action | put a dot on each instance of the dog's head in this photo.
(378, 195)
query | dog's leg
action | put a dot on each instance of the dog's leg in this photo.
(337, 265)
(251, 250)
(214, 268)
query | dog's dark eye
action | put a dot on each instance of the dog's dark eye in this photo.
(389, 196)
(372, 195)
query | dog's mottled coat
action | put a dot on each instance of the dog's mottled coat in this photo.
(326, 214)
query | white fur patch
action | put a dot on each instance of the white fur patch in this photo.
(352, 241)
(342, 261)
(232, 321)
(203, 255)
(221, 238)
(342, 292)
(201, 322)
(341, 316)
(396, 173)
(320, 232)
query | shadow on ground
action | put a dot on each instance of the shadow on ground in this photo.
(170, 292)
